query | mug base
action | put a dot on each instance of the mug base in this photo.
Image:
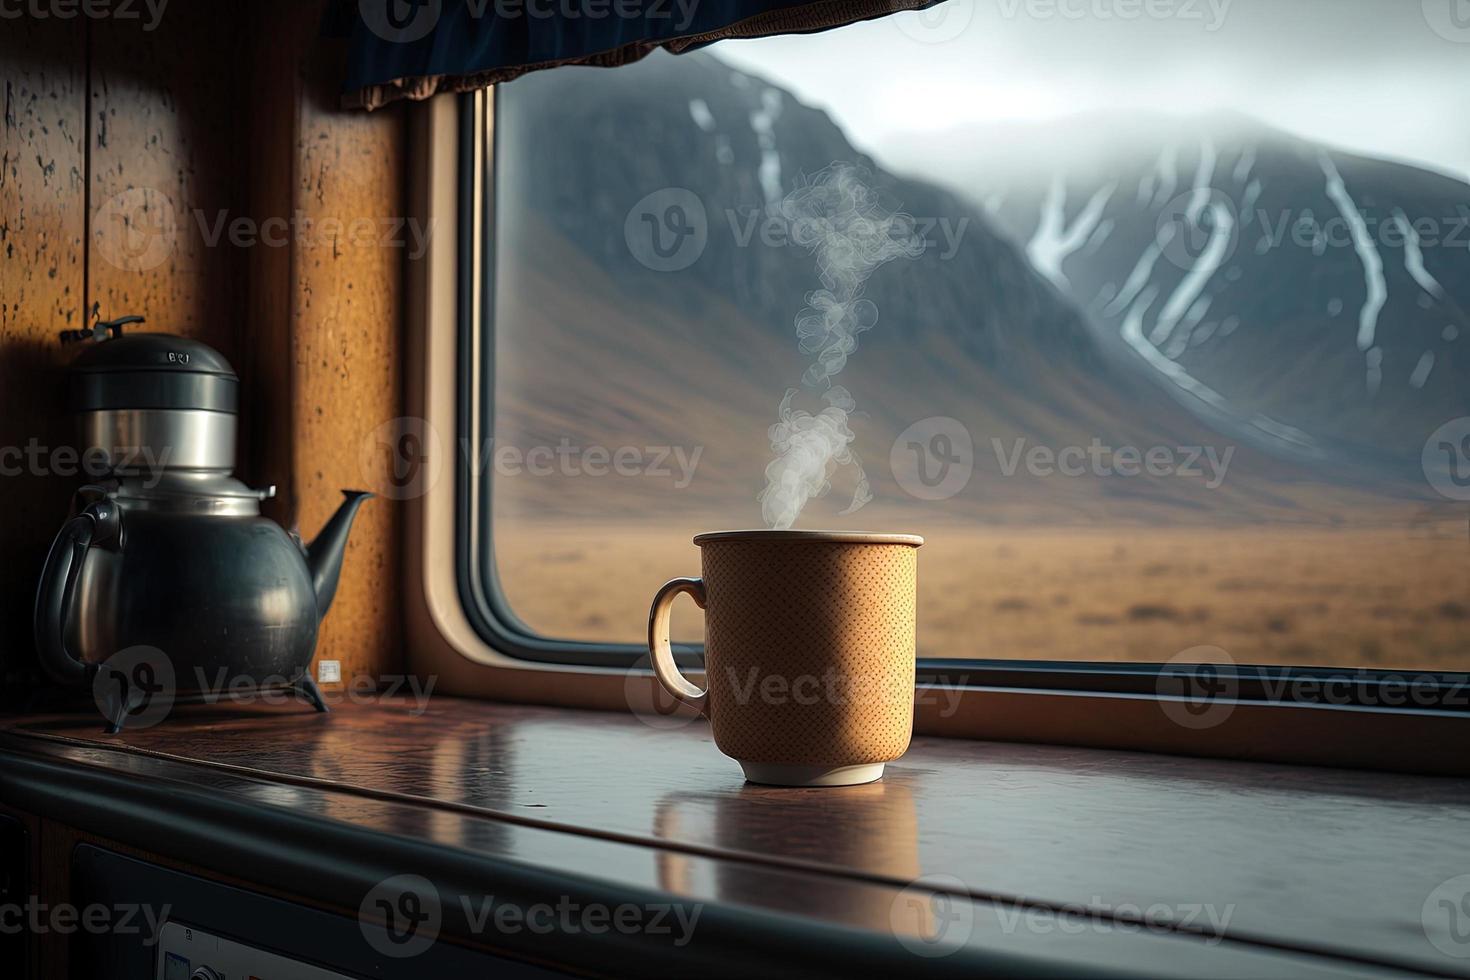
(772, 774)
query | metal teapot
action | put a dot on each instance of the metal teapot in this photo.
(168, 551)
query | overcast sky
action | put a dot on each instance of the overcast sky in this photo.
(1389, 78)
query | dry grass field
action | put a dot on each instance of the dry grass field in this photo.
(1392, 597)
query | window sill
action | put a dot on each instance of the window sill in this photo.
(1058, 853)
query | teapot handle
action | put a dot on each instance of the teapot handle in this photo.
(99, 523)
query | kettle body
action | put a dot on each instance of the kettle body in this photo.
(168, 552)
(224, 593)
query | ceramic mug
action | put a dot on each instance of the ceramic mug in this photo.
(809, 651)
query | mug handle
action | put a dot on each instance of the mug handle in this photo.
(659, 651)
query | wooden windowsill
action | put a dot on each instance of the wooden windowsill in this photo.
(1243, 867)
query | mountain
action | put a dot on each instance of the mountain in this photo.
(1313, 301)
(601, 346)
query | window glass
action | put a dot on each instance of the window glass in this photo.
(1152, 319)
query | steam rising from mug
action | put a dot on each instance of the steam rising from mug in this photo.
(839, 218)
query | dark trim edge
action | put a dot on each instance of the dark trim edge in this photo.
(335, 864)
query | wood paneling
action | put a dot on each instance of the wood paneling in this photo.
(346, 340)
(167, 171)
(129, 154)
(42, 225)
(266, 418)
(322, 341)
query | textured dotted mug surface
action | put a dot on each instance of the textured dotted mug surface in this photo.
(809, 646)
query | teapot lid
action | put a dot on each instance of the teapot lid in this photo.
(148, 371)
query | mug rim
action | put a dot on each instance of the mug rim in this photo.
(842, 537)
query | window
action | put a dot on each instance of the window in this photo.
(1160, 341)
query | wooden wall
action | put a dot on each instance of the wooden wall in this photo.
(43, 179)
(123, 149)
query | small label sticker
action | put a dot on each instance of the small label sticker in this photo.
(329, 672)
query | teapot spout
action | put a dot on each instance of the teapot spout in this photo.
(324, 554)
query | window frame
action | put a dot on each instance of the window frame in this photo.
(461, 628)
(497, 622)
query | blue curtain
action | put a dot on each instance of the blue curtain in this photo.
(414, 48)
